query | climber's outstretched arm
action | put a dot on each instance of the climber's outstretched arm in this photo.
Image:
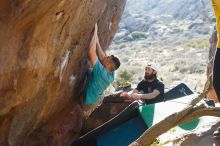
(92, 48)
(100, 53)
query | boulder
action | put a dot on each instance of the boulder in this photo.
(43, 60)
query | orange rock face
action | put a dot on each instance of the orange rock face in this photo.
(43, 59)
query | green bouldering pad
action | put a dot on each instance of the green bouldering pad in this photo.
(154, 113)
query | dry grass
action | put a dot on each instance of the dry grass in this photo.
(185, 62)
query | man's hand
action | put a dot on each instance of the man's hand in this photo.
(136, 96)
(126, 96)
(132, 96)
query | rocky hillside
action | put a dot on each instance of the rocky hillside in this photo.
(162, 20)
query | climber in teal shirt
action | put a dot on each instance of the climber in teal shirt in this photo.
(103, 71)
(100, 80)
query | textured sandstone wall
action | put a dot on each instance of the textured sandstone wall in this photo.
(43, 58)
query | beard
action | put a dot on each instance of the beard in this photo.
(150, 77)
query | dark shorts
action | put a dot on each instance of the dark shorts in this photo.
(216, 73)
(87, 78)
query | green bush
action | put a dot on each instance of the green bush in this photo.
(176, 30)
(157, 143)
(196, 44)
(137, 35)
(123, 76)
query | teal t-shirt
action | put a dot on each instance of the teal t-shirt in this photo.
(100, 80)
